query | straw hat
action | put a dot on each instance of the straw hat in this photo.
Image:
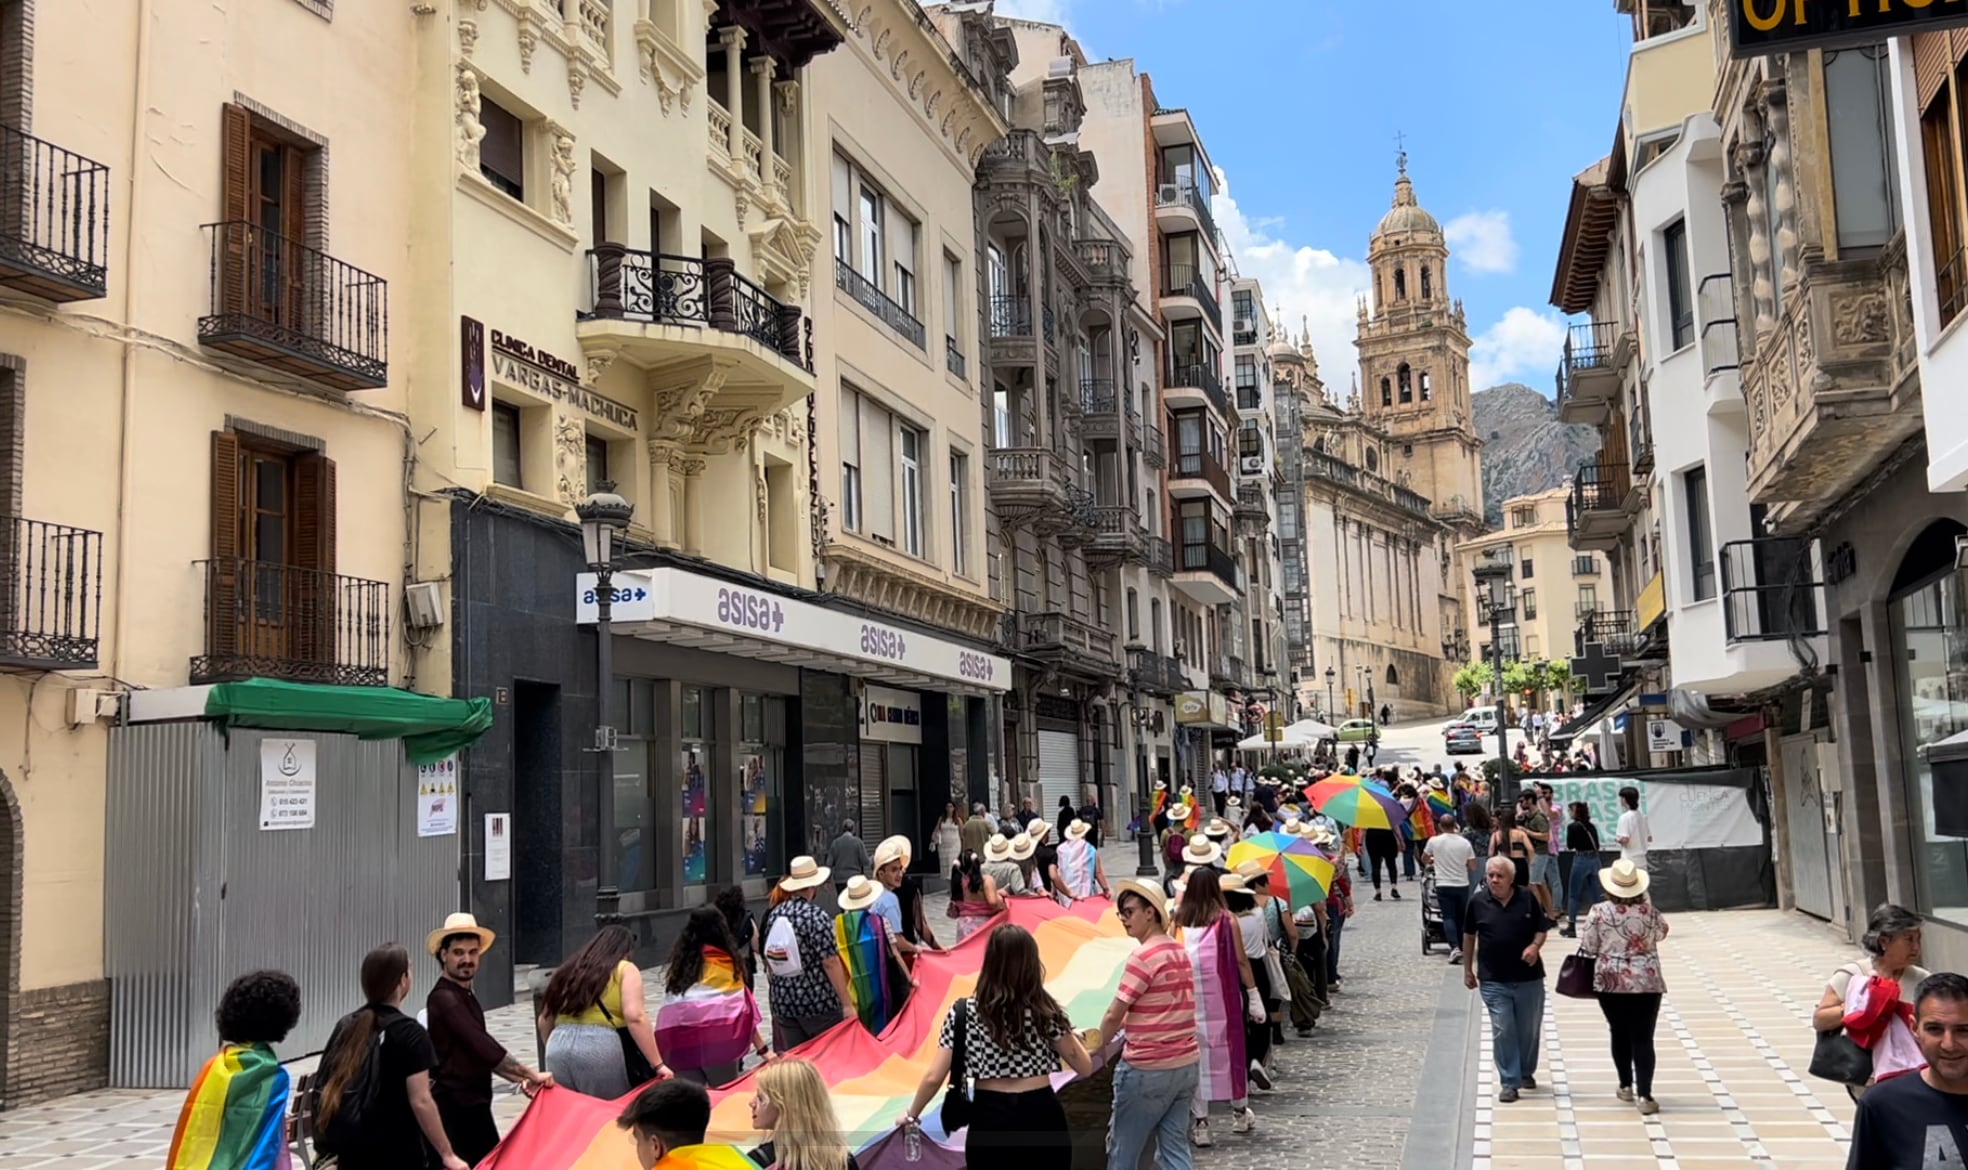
(1292, 823)
(1623, 879)
(1321, 835)
(1178, 813)
(1038, 829)
(1219, 829)
(1202, 851)
(803, 874)
(892, 849)
(1231, 883)
(859, 894)
(459, 924)
(1186, 792)
(1250, 868)
(998, 848)
(1156, 900)
(1077, 830)
(1022, 847)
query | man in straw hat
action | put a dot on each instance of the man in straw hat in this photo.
(467, 1055)
(1155, 1006)
(1080, 871)
(808, 983)
(901, 901)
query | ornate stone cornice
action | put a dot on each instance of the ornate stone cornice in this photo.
(868, 578)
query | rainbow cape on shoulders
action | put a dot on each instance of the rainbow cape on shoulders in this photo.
(234, 1117)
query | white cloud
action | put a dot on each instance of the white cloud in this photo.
(1482, 241)
(1522, 347)
(1302, 283)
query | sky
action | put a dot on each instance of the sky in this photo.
(1299, 103)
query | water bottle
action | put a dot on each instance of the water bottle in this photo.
(912, 1142)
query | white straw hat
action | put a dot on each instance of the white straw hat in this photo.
(1022, 847)
(1623, 879)
(998, 848)
(859, 894)
(803, 874)
(1202, 851)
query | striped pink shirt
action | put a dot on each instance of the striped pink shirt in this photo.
(1158, 987)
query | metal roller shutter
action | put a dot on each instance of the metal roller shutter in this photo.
(1059, 770)
(874, 795)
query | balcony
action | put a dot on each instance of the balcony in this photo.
(1769, 590)
(1208, 574)
(1188, 296)
(1011, 316)
(1458, 513)
(1585, 566)
(1154, 446)
(1077, 528)
(673, 315)
(870, 297)
(1197, 473)
(1640, 445)
(280, 304)
(1243, 333)
(1148, 671)
(1066, 642)
(303, 625)
(1100, 404)
(50, 596)
(1254, 505)
(1321, 467)
(1199, 384)
(1160, 557)
(1184, 207)
(1589, 372)
(54, 220)
(1715, 302)
(1117, 536)
(953, 356)
(1595, 515)
(1613, 629)
(1028, 487)
(1106, 261)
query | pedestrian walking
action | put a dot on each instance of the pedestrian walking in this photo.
(1080, 873)
(900, 903)
(384, 1125)
(1513, 845)
(976, 831)
(877, 979)
(1015, 1036)
(1000, 868)
(1091, 814)
(1582, 842)
(1154, 1011)
(806, 981)
(709, 1018)
(1478, 827)
(1865, 999)
(1339, 908)
(1502, 944)
(234, 1117)
(591, 1000)
(793, 1106)
(743, 925)
(974, 897)
(1631, 831)
(947, 840)
(848, 857)
(1227, 990)
(1241, 900)
(1454, 861)
(1920, 1122)
(1535, 824)
(1383, 846)
(669, 1120)
(1624, 934)
(1220, 789)
(467, 1055)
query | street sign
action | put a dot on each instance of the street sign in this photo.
(1599, 669)
(1758, 27)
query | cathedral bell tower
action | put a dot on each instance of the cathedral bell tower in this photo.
(1414, 362)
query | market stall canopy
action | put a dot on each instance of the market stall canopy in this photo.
(430, 728)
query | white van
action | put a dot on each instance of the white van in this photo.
(1483, 719)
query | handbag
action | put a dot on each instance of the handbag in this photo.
(1575, 975)
(1837, 1057)
(956, 1101)
(640, 1071)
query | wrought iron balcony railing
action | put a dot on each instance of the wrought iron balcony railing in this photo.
(1011, 316)
(870, 297)
(1161, 556)
(1716, 299)
(1585, 566)
(1590, 349)
(1615, 629)
(1200, 376)
(1770, 590)
(1190, 196)
(953, 356)
(288, 307)
(1208, 557)
(1599, 487)
(50, 595)
(1154, 446)
(1202, 465)
(303, 625)
(656, 287)
(54, 220)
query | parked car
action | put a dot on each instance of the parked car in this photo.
(1462, 739)
(1483, 719)
(1358, 731)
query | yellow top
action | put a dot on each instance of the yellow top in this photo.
(611, 998)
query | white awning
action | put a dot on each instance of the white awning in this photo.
(681, 608)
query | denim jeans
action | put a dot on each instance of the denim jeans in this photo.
(1516, 1017)
(1151, 1103)
(1454, 900)
(1584, 890)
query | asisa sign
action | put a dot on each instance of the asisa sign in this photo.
(1757, 27)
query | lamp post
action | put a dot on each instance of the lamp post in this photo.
(1331, 695)
(1497, 597)
(604, 516)
(1145, 840)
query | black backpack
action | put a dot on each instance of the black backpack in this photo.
(344, 1132)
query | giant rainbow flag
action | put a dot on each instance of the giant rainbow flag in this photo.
(872, 1078)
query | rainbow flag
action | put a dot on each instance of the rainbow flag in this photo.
(871, 1079)
(235, 1116)
(862, 937)
(713, 1022)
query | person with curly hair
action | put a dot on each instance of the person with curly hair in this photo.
(234, 1117)
(709, 1018)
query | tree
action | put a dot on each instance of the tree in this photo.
(1474, 678)
(1518, 676)
(1558, 675)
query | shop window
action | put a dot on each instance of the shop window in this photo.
(694, 776)
(506, 431)
(1929, 614)
(761, 760)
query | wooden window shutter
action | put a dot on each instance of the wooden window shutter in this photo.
(223, 618)
(235, 209)
(1932, 55)
(314, 597)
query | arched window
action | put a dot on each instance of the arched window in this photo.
(1407, 383)
(1386, 392)
(1400, 284)
(1373, 459)
(1427, 294)
(1393, 676)
(1427, 388)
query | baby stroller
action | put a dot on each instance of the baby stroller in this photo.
(1432, 932)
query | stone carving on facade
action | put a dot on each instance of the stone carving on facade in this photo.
(676, 408)
(720, 429)
(689, 466)
(758, 493)
(916, 84)
(563, 174)
(1860, 319)
(529, 42)
(880, 46)
(1763, 290)
(930, 104)
(570, 459)
(897, 64)
(471, 132)
(577, 82)
(467, 37)
(1777, 109)
(598, 362)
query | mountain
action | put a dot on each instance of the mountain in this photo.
(1525, 447)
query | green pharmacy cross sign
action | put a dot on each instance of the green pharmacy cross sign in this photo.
(1757, 27)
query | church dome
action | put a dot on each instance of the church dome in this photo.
(1406, 217)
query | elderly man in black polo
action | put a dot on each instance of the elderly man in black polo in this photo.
(1502, 943)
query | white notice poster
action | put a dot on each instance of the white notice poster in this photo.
(498, 847)
(286, 784)
(437, 798)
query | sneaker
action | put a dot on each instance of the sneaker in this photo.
(1649, 1107)
(1567, 932)
(1305, 1033)
(1455, 956)
(1530, 1082)
(1260, 1078)
(1397, 893)
(1507, 1096)
(1625, 1093)
(1246, 1121)
(1199, 1134)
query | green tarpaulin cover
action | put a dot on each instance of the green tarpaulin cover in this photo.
(430, 728)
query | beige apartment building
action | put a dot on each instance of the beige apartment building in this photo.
(1558, 589)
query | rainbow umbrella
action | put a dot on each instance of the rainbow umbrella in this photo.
(1300, 871)
(1357, 803)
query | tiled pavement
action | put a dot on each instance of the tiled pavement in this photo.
(1397, 1074)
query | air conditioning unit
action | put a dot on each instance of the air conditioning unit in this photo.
(1168, 193)
(423, 605)
(1253, 464)
(86, 705)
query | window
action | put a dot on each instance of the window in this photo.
(1701, 540)
(1524, 569)
(1427, 285)
(871, 236)
(1247, 394)
(1588, 601)
(959, 506)
(1386, 392)
(1427, 387)
(1250, 439)
(1133, 615)
(1184, 262)
(502, 153)
(1680, 291)
(1523, 516)
(1155, 623)
(952, 296)
(1530, 600)
(912, 442)
(1406, 377)
(1864, 174)
(1001, 418)
(505, 445)
(597, 463)
(1400, 284)
(1944, 98)
(850, 427)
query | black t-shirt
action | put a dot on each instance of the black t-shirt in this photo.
(390, 1137)
(908, 897)
(1502, 932)
(1044, 857)
(1901, 1120)
(1582, 837)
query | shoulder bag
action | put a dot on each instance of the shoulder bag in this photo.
(1835, 1056)
(1575, 975)
(640, 1071)
(956, 1101)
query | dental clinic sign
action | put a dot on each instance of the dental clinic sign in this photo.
(1757, 27)
(682, 598)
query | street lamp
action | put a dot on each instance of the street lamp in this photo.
(1145, 865)
(1498, 600)
(604, 516)
(1331, 674)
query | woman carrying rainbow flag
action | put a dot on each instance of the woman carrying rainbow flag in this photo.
(235, 1116)
(875, 974)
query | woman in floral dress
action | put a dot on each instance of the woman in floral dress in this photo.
(1625, 932)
